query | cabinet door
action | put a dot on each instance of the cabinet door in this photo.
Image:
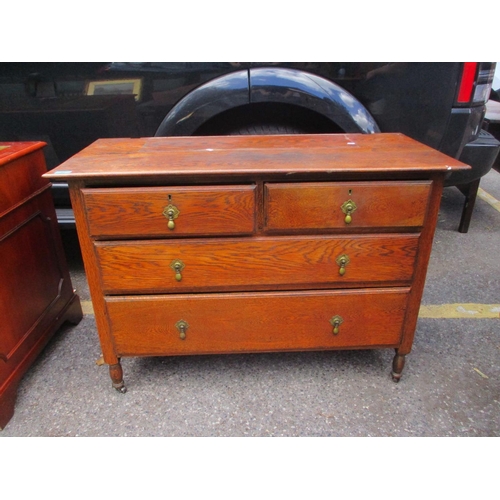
(34, 281)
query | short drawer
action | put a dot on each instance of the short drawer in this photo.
(333, 205)
(253, 322)
(256, 263)
(170, 211)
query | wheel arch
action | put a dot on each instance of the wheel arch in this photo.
(262, 87)
(311, 91)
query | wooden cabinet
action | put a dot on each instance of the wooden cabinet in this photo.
(199, 245)
(36, 295)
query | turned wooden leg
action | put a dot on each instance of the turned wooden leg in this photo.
(397, 366)
(116, 374)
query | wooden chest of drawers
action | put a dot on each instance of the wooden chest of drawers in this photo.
(198, 245)
(36, 295)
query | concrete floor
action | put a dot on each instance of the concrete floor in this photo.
(450, 385)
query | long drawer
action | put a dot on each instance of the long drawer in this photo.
(253, 322)
(345, 205)
(256, 263)
(170, 211)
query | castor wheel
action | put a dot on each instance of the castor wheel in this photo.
(120, 388)
(398, 364)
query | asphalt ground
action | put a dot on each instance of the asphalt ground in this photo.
(450, 385)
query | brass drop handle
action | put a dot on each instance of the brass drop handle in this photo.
(348, 208)
(336, 321)
(342, 261)
(182, 326)
(171, 223)
(171, 212)
(177, 266)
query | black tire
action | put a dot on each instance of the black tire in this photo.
(266, 129)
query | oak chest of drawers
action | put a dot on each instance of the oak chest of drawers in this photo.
(199, 245)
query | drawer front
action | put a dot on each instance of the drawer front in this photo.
(170, 212)
(239, 322)
(306, 206)
(256, 264)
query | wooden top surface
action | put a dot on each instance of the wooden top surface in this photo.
(252, 155)
(9, 151)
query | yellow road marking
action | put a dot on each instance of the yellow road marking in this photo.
(489, 199)
(478, 311)
(87, 307)
(481, 373)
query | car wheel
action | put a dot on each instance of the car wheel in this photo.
(266, 129)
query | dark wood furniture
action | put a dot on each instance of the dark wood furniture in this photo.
(199, 245)
(36, 295)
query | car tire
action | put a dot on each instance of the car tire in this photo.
(266, 129)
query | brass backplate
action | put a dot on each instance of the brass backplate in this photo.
(336, 320)
(177, 265)
(171, 212)
(348, 207)
(342, 260)
(181, 325)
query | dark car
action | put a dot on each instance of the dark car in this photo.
(69, 105)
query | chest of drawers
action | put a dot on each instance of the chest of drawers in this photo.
(199, 245)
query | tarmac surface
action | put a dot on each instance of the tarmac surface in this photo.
(450, 384)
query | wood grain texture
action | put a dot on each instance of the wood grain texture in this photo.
(246, 322)
(259, 236)
(316, 205)
(203, 210)
(253, 264)
(253, 155)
